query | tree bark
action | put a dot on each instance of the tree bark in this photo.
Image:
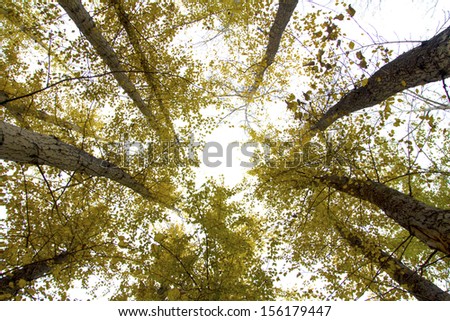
(29, 272)
(86, 25)
(25, 146)
(285, 10)
(429, 224)
(410, 280)
(424, 64)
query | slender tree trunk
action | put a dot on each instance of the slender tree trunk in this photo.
(424, 64)
(20, 110)
(410, 280)
(285, 10)
(429, 224)
(144, 62)
(9, 282)
(86, 25)
(25, 146)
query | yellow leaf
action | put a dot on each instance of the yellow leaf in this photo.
(351, 45)
(364, 82)
(403, 83)
(159, 237)
(351, 11)
(173, 294)
(21, 283)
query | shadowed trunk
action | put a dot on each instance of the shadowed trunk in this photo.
(25, 146)
(410, 280)
(285, 10)
(145, 64)
(429, 224)
(9, 283)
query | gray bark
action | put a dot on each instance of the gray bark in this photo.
(285, 10)
(424, 64)
(29, 272)
(429, 224)
(25, 146)
(86, 25)
(410, 280)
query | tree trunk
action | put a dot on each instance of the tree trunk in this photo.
(424, 64)
(20, 110)
(285, 10)
(9, 282)
(145, 64)
(410, 280)
(86, 25)
(429, 224)
(25, 146)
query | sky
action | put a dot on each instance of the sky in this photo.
(375, 20)
(388, 21)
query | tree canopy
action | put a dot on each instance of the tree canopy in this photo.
(107, 110)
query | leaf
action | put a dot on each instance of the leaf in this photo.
(173, 294)
(359, 55)
(21, 283)
(350, 10)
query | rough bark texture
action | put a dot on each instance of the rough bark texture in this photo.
(410, 280)
(86, 25)
(29, 272)
(424, 64)
(22, 145)
(284, 13)
(429, 224)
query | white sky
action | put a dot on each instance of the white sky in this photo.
(389, 20)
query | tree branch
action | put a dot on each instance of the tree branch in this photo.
(424, 64)
(429, 224)
(284, 13)
(25, 146)
(86, 25)
(410, 280)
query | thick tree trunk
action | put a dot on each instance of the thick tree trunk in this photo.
(24, 146)
(424, 64)
(86, 25)
(285, 10)
(9, 283)
(410, 280)
(429, 224)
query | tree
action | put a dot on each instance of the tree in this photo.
(429, 224)
(410, 280)
(218, 260)
(421, 65)
(284, 13)
(100, 176)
